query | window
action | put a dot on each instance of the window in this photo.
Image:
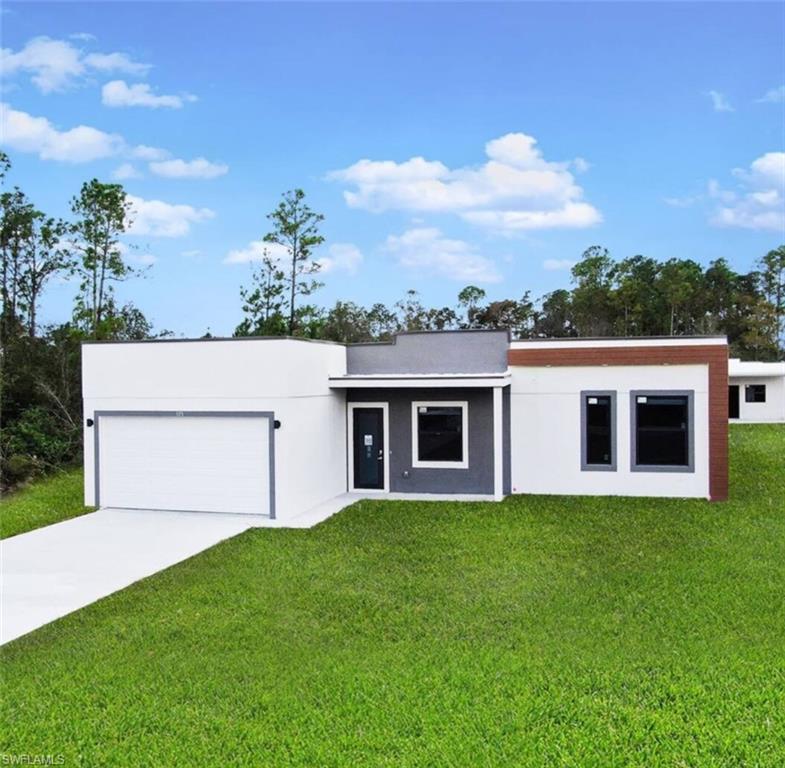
(598, 427)
(755, 393)
(662, 431)
(440, 435)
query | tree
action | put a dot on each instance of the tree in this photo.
(15, 222)
(441, 319)
(348, 323)
(263, 303)
(382, 322)
(679, 282)
(591, 297)
(102, 217)
(469, 298)
(772, 267)
(517, 316)
(412, 315)
(43, 257)
(555, 319)
(296, 229)
(634, 297)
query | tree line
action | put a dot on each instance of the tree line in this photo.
(634, 296)
(40, 378)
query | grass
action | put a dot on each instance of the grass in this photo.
(540, 631)
(48, 501)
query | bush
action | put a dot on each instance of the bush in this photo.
(38, 435)
(17, 469)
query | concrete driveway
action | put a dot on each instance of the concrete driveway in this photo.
(52, 571)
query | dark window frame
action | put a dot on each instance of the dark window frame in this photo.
(585, 465)
(750, 389)
(634, 465)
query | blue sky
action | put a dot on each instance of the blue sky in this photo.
(445, 144)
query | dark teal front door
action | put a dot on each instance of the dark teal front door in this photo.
(368, 433)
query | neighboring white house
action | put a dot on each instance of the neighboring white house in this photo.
(278, 426)
(756, 391)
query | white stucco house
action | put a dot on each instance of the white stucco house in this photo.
(756, 392)
(275, 426)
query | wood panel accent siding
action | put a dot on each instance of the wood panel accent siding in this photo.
(713, 355)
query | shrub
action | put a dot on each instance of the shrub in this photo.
(17, 469)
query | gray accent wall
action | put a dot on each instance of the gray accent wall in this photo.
(432, 352)
(476, 479)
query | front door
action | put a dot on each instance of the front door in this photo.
(733, 401)
(368, 447)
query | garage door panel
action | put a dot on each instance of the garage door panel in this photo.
(199, 463)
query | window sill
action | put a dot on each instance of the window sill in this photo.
(440, 465)
(661, 468)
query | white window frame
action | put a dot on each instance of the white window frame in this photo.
(464, 406)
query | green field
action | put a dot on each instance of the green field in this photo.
(542, 631)
(48, 501)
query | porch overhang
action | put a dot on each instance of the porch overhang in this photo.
(420, 381)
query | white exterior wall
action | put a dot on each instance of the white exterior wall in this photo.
(772, 411)
(546, 430)
(285, 376)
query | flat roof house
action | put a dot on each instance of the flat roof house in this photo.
(277, 426)
(756, 392)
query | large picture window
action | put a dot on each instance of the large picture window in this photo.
(598, 428)
(662, 431)
(440, 435)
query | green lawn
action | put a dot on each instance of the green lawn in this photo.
(48, 501)
(540, 631)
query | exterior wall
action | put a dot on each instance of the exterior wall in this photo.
(710, 351)
(507, 441)
(428, 352)
(285, 376)
(478, 478)
(772, 411)
(546, 430)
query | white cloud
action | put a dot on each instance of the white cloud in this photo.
(580, 165)
(681, 202)
(553, 265)
(26, 133)
(341, 257)
(84, 37)
(115, 62)
(143, 152)
(126, 171)
(159, 219)
(118, 93)
(759, 201)
(133, 255)
(142, 259)
(516, 188)
(54, 65)
(255, 251)
(192, 254)
(23, 132)
(570, 216)
(720, 102)
(426, 251)
(773, 96)
(188, 169)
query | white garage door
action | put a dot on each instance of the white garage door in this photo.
(190, 462)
